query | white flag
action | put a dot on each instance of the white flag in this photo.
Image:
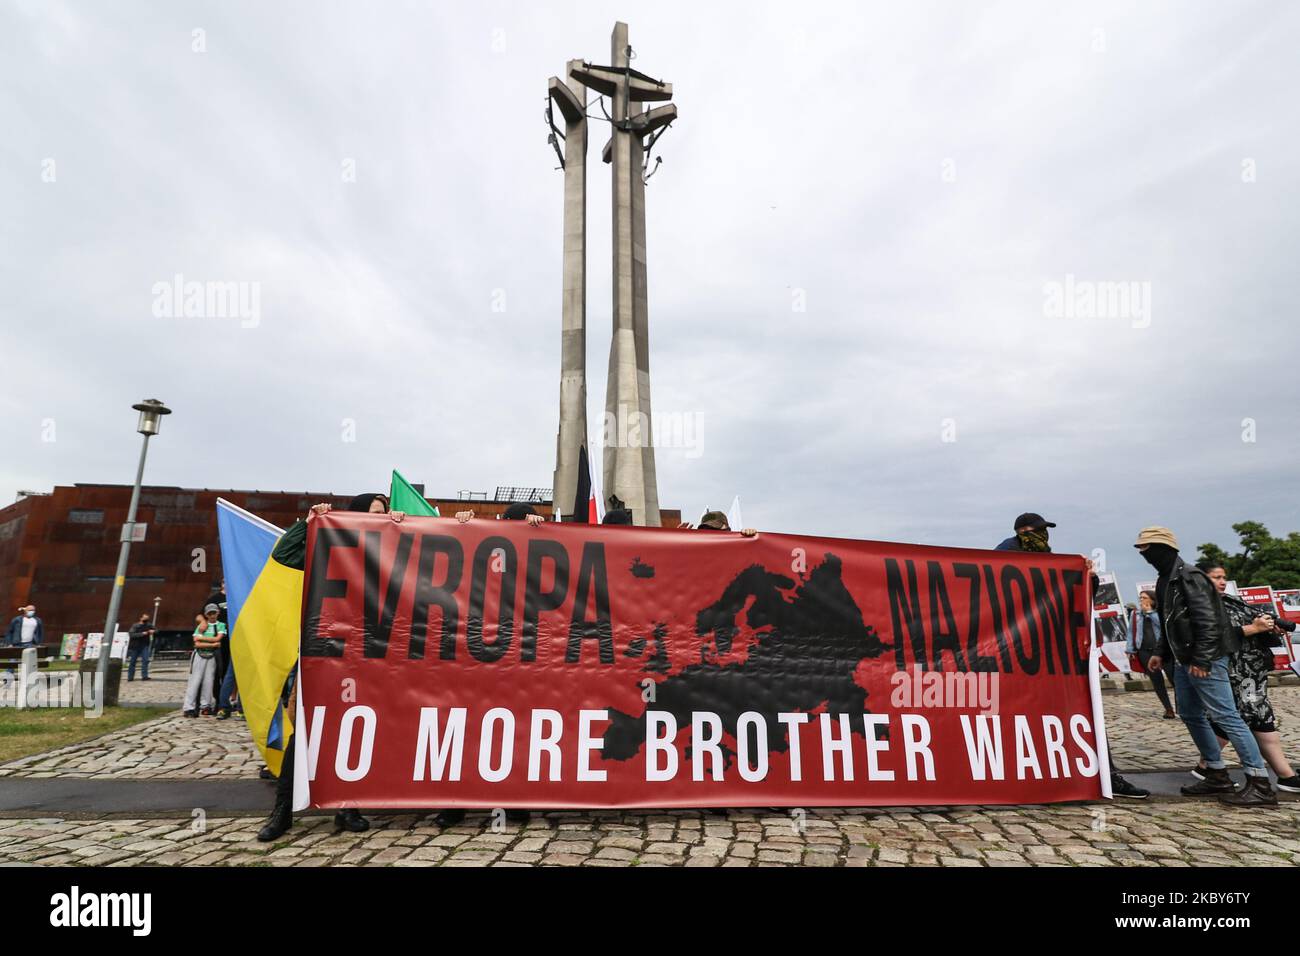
(733, 515)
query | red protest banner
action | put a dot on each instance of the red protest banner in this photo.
(494, 664)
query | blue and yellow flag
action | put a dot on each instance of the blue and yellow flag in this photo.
(264, 607)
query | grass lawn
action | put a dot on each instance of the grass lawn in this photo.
(25, 732)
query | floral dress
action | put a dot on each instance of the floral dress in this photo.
(1248, 669)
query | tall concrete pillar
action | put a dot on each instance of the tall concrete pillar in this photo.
(629, 464)
(569, 98)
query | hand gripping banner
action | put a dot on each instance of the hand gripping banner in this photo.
(494, 664)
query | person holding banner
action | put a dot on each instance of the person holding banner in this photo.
(1198, 640)
(716, 521)
(281, 817)
(1146, 623)
(516, 512)
(1032, 536)
(1248, 671)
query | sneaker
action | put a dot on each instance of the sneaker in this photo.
(206, 712)
(265, 774)
(1214, 782)
(1289, 784)
(223, 714)
(1198, 772)
(1122, 788)
(146, 678)
(190, 713)
(1256, 793)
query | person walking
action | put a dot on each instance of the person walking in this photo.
(1248, 671)
(26, 630)
(1143, 640)
(1197, 640)
(207, 641)
(137, 648)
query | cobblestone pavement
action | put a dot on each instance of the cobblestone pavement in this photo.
(168, 747)
(1141, 739)
(1164, 833)
(166, 684)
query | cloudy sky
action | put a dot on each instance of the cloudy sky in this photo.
(864, 226)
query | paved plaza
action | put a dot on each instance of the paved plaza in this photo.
(176, 754)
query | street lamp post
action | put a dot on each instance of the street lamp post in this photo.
(151, 412)
(156, 602)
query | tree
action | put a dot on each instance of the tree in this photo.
(1263, 559)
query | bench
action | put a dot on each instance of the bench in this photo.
(11, 657)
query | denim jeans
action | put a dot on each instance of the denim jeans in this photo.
(228, 688)
(1205, 699)
(140, 653)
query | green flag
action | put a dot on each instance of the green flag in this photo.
(405, 498)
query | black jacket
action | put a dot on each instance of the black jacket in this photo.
(1194, 625)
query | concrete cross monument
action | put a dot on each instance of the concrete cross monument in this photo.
(628, 458)
(569, 98)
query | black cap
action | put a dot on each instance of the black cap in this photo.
(1031, 520)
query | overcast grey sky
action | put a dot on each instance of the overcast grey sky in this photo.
(852, 243)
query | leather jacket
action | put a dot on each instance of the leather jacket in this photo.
(1195, 628)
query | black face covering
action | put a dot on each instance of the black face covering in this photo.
(362, 503)
(1161, 557)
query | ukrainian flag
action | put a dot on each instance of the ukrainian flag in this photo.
(264, 608)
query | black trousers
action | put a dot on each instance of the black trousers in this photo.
(284, 784)
(1157, 680)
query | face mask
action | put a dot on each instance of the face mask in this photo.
(1035, 539)
(1161, 557)
(30, 613)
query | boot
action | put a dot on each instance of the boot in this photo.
(1122, 788)
(351, 820)
(1256, 793)
(1216, 781)
(278, 822)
